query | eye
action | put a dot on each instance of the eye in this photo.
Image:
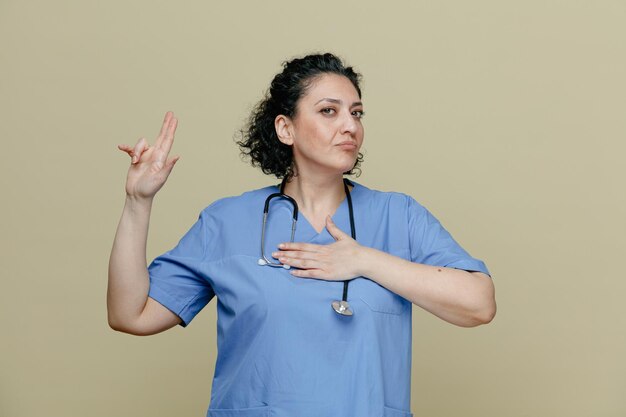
(358, 114)
(328, 111)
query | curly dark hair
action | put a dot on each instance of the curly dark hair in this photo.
(259, 140)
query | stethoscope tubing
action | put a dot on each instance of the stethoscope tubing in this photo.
(341, 308)
(294, 221)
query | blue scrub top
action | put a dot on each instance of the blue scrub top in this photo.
(282, 349)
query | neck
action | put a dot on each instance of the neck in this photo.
(317, 197)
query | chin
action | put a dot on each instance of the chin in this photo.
(340, 166)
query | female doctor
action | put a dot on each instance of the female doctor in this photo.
(314, 322)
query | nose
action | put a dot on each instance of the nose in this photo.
(349, 123)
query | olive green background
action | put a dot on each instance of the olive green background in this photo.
(505, 118)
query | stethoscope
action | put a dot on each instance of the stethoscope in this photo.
(341, 307)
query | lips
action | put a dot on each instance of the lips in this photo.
(347, 145)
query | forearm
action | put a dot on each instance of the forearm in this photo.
(456, 296)
(129, 282)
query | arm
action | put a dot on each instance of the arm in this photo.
(460, 297)
(128, 306)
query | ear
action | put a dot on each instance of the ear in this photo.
(283, 124)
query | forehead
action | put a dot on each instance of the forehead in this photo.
(333, 86)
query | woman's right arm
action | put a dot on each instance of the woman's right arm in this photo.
(129, 308)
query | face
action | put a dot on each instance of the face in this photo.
(326, 132)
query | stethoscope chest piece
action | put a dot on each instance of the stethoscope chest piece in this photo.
(342, 307)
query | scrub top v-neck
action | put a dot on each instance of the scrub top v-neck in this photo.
(282, 350)
(304, 225)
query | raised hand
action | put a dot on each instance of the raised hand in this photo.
(150, 165)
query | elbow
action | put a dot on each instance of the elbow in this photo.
(477, 317)
(113, 323)
(485, 311)
(486, 315)
(116, 325)
(123, 327)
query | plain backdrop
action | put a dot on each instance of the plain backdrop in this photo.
(506, 119)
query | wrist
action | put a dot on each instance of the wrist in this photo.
(366, 261)
(135, 203)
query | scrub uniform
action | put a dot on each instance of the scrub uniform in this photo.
(282, 349)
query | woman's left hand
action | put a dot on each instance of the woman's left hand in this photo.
(334, 262)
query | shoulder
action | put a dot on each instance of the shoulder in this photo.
(392, 200)
(229, 206)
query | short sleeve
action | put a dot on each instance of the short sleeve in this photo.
(431, 244)
(176, 278)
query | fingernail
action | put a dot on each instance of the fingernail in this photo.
(281, 245)
(274, 254)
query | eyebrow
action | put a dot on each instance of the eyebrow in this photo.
(336, 101)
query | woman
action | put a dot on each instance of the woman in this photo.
(281, 349)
